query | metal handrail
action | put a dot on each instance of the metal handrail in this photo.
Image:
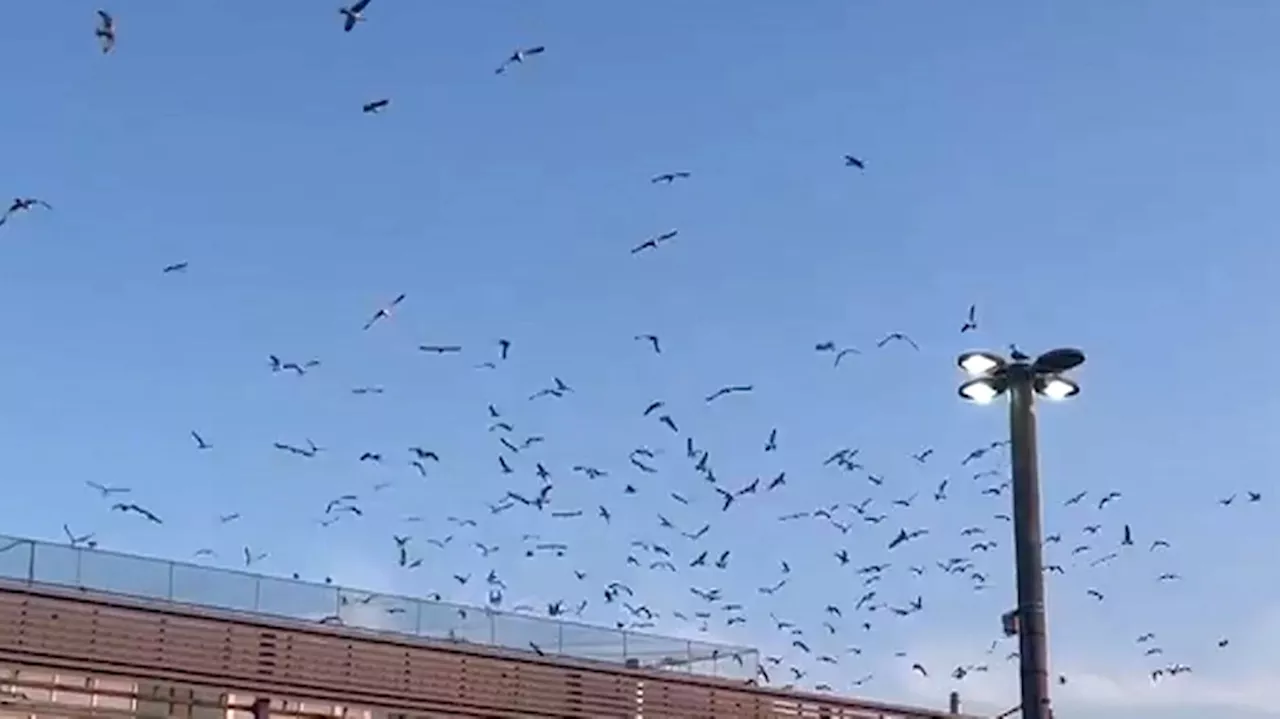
(183, 583)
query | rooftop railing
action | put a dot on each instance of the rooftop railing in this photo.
(37, 562)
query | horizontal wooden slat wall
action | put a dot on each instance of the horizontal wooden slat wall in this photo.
(100, 634)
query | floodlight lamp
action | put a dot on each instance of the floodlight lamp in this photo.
(977, 364)
(1063, 359)
(1055, 387)
(981, 390)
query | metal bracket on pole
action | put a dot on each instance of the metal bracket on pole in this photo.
(1009, 623)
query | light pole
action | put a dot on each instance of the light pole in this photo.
(989, 376)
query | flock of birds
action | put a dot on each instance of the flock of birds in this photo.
(877, 577)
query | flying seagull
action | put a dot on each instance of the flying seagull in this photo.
(897, 337)
(23, 204)
(851, 161)
(652, 340)
(139, 510)
(518, 57)
(732, 389)
(384, 312)
(77, 540)
(352, 15)
(106, 491)
(653, 242)
(845, 352)
(373, 108)
(670, 177)
(106, 31)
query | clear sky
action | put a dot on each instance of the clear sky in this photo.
(1095, 174)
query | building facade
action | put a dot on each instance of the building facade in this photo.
(76, 650)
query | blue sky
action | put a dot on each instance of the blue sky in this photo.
(1100, 175)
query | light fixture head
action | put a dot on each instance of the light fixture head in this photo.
(1056, 387)
(979, 364)
(1063, 359)
(982, 390)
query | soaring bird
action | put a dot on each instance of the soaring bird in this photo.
(136, 509)
(897, 337)
(732, 389)
(1110, 497)
(23, 204)
(421, 453)
(651, 339)
(107, 491)
(670, 177)
(971, 323)
(87, 539)
(353, 14)
(653, 242)
(518, 57)
(844, 353)
(384, 312)
(373, 108)
(851, 161)
(176, 267)
(106, 31)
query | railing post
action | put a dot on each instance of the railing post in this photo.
(31, 564)
(169, 594)
(493, 629)
(560, 638)
(257, 593)
(624, 645)
(688, 655)
(955, 702)
(417, 620)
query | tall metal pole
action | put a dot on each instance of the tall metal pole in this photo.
(1033, 646)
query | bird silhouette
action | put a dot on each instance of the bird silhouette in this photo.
(669, 177)
(897, 337)
(107, 491)
(653, 341)
(731, 389)
(21, 205)
(106, 32)
(383, 312)
(139, 510)
(653, 242)
(518, 57)
(353, 14)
